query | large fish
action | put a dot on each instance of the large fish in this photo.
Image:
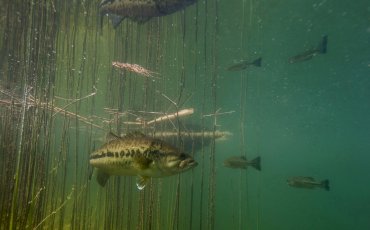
(242, 162)
(244, 64)
(138, 155)
(140, 10)
(309, 54)
(308, 182)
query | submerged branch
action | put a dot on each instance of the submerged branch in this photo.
(222, 135)
(32, 102)
(76, 100)
(168, 117)
(57, 209)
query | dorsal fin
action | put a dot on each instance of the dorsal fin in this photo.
(308, 178)
(243, 157)
(135, 134)
(112, 137)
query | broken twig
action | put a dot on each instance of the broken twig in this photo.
(134, 68)
(181, 113)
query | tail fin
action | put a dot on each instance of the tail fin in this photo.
(256, 163)
(322, 47)
(257, 62)
(325, 185)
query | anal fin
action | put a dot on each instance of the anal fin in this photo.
(115, 19)
(102, 178)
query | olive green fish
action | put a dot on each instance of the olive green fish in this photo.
(309, 54)
(245, 64)
(138, 155)
(308, 182)
(242, 162)
(140, 10)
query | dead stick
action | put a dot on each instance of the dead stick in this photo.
(171, 116)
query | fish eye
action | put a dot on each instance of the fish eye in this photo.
(182, 156)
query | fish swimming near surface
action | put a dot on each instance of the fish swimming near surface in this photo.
(244, 64)
(138, 155)
(308, 182)
(309, 54)
(242, 162)
(140, 10)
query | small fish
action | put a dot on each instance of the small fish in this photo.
(307, 182)
(309, 54)
(242, 163)
(244, 64)
(140, 10)
(138, 155)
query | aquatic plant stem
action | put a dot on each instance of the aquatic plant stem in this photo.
(74, 101)
(19, 148)
(56, 210)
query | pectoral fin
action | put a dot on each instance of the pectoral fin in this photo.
(141, 182)
(142, 163)
(102, 178)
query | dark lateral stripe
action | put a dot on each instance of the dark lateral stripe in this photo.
(122, 153)
(102, 155)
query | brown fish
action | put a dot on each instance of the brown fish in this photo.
(140, 10)
(308, 182)
(242, 163)
(139, 155)
(244, 64)
(309, 54)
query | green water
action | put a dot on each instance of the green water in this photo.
(304, 119)
(308, 118)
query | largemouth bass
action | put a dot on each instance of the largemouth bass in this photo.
(242, 162)
(308, 182)
(309, 54)
(244, 64)
(138, 155)
(140, 10)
